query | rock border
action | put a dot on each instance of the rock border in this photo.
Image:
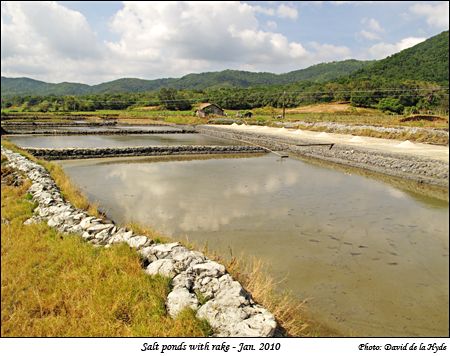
(422, 170)
(197, 282)
(76, 153)
(99, 132)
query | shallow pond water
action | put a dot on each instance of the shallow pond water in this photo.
(371, 259)
(94, 128)
(92, 141)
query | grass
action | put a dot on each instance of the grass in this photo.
(68, 190)
(57, 285)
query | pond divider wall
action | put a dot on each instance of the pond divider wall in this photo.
(422, 170)
(8, 131)
(76, 153)
(224, 303)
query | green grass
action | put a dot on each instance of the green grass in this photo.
(58, 285)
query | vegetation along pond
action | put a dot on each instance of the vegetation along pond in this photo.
(370, 258)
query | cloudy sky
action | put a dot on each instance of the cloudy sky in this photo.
(93, 42)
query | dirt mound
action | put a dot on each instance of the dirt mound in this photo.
(424, 117)
(325, 108)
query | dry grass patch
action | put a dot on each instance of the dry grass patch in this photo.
(57, 285)
(69, 191)
(329, 108)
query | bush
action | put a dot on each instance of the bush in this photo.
(390, 105)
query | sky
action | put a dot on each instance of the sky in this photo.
(97, 41)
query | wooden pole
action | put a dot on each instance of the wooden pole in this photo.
(284, 106)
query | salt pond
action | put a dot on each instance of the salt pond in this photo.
(92, 141)
(371, 259)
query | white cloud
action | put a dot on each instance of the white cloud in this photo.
(40, 27)
(49, 42)
(264, 10)
(272, 25)
(285, 11)
(382, 50)
(39, 38)
(372, 31)
(369, 35)
(436, 15)
(182, 37)
(282, 11)
(372, 25)
(327, 52)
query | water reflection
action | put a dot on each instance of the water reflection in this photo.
(88, 141)
(373, 260)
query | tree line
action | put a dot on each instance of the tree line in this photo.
(399, 97)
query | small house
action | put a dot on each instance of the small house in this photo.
(207, 109)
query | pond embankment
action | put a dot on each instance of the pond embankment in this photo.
(197, 282)
(394, 162)
(77, 153)
(60, 132)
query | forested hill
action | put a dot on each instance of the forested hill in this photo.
(426, 61)
(227, 78)
(28, 86)
(232, 78)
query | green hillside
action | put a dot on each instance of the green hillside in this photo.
(227, 78)
(426, 61)
(129, 85)
(27, 86)
(324, 72)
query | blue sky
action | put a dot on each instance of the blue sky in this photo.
(95, 41)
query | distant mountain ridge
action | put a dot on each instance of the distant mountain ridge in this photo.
(227, 78)
(427, 61)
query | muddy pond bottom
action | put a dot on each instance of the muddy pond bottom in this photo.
(371, 259)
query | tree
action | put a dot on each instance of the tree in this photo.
(390, 105)
(171, 100)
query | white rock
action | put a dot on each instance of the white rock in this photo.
(165, 247)
(179, 299)
(54, 221)
(183, 280)
(163, 267)
(99, 227)
(86, 235)
(210, 268)
(102, 235)
(138, 241)
(221, 317)
(86, 222)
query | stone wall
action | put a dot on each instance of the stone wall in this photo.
(422, 170)
(21, 131)
(76, 153)
(224, 303)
